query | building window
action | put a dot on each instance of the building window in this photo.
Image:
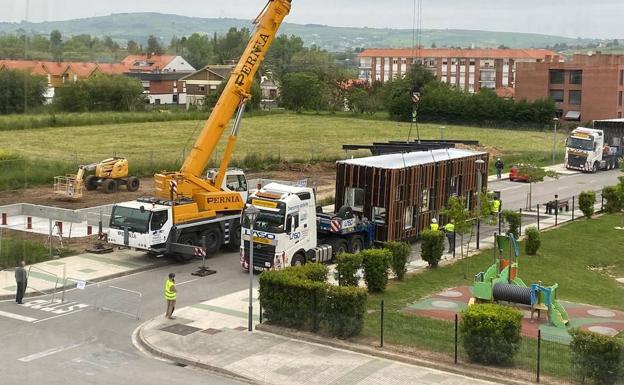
(620, 98)
(355, 198)
(424, 205)
(395, 61)
(202, 88)
(556, 95)
(556, 76)
(175, 98)
(574, 97)
(576, 77)
(409, 218)
(379, 215)
(621, 77)
(156, 101)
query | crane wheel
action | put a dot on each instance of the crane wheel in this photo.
(214, 239)
(110, 186)
(133, 184)
(91, 182)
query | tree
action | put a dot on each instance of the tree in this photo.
(20, 91)
(534, 174)
(101, 92)
(133, 47)
(56, 45)
(198, 50)
(279, 58)
(357, 99)
(232, 44)
(153, 46)
(301, 90)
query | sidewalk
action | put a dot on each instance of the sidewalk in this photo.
(46, 276)
(213, 335)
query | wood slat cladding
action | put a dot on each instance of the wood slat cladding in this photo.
(422, 190)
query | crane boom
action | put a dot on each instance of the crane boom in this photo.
(206, 198)
(238, 87)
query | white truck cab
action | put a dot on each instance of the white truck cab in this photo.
(588, 150)
(285, 228)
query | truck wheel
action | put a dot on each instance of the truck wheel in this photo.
(297, 260)
(214, 239)
(133, 184)
(91, 182)
(340, 246)
(109, 186)
(357, 244)
(595, 168)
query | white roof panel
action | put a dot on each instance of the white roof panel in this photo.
(397, 161)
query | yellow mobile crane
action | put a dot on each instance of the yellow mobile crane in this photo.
(187, 207)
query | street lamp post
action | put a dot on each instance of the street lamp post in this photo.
(251, 212)
(556, 121)
(480, 163)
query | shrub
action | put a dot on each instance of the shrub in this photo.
(613, 198)
(587, 199)
(299, 297)
(432, 246)
(316, 272)
(347, 268)
(490, 333)
(400, 254)
(533, 241)
(376, 263)
(513, 220)
(344, 311)
(289, 299)
(597, 358)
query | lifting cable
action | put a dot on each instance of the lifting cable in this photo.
(416, 46)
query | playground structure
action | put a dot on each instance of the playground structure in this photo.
(500, 282)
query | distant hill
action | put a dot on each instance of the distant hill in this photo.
(138, 26)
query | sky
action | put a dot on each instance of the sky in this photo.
(572, 18)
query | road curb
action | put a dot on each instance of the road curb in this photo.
(45, 292)
(152, 349)
(386, 354)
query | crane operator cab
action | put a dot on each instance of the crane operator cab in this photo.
(235, 180)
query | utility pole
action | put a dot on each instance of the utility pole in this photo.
(555, 120)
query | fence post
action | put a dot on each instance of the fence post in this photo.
(454, 244)
(556, 209)
(601, 200)
(573, 207)
(260, 312)
(456, 324)
(538, 217)
(539, 348)
(520, 228)
(382, 325)
(499, 222)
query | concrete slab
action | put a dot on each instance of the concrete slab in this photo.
(46, 276)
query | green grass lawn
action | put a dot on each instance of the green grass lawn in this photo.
(293, 137)
(584, 257)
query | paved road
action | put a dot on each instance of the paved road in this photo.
(60, 345)
(514, 194)
(86, 346)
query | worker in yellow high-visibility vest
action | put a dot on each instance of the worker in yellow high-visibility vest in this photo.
(496, 204)
(449, 228)
(434, 225)
(170, 295)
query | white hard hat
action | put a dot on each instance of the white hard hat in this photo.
(434, 220)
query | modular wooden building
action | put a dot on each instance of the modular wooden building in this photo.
(401, 193)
